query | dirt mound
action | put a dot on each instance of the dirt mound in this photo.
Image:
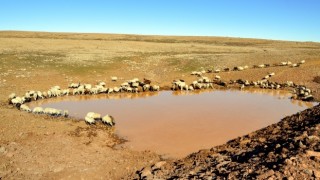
(289, 149)
(316, 79)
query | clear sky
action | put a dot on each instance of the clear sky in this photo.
(268, 19)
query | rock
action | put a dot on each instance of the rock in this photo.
(146, 172)
(316, 173)
(261, 140)
(58, 169)
(10, 154)
(158, 165)
(313, 153)
(2, 149)
(244, 142)
(290, 178)
(266, 174)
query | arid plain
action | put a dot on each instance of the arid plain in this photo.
(42, 147)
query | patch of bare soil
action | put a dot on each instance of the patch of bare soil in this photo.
(289, 149)
(316, 79)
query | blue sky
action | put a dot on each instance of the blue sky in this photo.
(268, 19)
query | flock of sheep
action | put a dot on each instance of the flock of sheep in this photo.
(135, 86)
(130, 86)
(241, 68)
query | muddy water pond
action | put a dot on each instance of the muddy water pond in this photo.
(176, 124)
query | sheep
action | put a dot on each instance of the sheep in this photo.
(271, 74)
(191, 88)
(178, 84)
(238, 68)
(155, 88)
(135, 85)
(217, 77)
(17, 101)
(261, 66)
(283, 63)
(295, 65)
(108, 120)
(40, 95)
(114, 78)
(289, 84)
(242, 87)
(24, 107)
(302, 62)
(93, 91)
(197, 73)
(52, 111)
(110, 90)
(116, 89)
(65, 92)
(146, 87)
(226, 69)
(93, 115)
(11, 96)
(74, 85)
(217, 71)
(38, 110)
(80, 90)
(65, 113)
(89, 120)
(102, 84)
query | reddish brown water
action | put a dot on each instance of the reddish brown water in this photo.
(178, 124)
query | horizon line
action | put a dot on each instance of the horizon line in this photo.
(162, 35)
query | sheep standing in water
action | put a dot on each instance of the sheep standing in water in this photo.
(108, 120)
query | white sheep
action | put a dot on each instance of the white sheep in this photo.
(146, 87)
(116, 89)
(52, 111)
(108, 120)
(110, 90)
(102, 84)
(24, 107)
(302, 61)
(155, 88)
(217, 77)
(261, 66)
(89, 120)
(17, 101)
(271, 74)
(217, 70)
(65, 92)
(12, 96)
(93, 115)
(114, 78)
(38, 110)
(239, 68)
(74, 85)
(40, 95)
(242, 87)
